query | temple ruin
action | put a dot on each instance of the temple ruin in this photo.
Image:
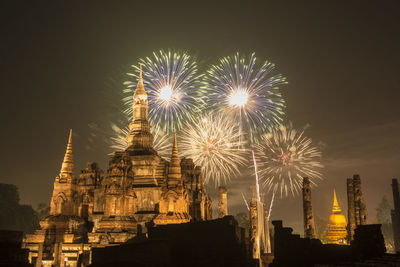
(101, 209)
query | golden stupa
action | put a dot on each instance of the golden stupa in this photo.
(336, 232)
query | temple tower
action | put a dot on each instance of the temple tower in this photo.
(223, 202)
(309, 228)
(192, 178)
(396, 215)
(90, 184)
(174, 202)
(117, 224)
(336, 231)
(62, 201)
(140, 139)
(63, 227)
(351, 215)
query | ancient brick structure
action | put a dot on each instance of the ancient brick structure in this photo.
(254, 243)
(357, 210)
(336, 231)
(309, 228)
(359, 203)
(351, 214)
(139, 188)
(199, 202)
(223, 202)
(292, 250)
(174, 203)
(259, 241)
(396, 215)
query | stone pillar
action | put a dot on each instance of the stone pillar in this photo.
(223, 202)
(396, 215)
(351, 215)
(268, 240)
(253, 233)
(307, 210)
(360, 208)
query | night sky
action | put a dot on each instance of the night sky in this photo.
(61, 62)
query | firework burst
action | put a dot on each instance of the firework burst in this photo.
(162, 142)
(284, 157)
(174, 88)
(212, 142)
(248, 92)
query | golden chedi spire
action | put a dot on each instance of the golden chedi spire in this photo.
(140, 91)
(140, 139)
(67, 166)
(335, 209)
(174, 174)
(336, 231)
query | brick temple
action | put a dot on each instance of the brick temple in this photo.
(101, 209)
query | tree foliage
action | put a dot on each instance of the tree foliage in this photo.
(42, 211)
(320, 229)
(383, 211)
(383, 216)
(243, 220)
(14, 216)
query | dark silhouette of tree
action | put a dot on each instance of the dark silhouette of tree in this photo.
(14, 216)
(383, 216)
(42, 211)
(243, 220)
(320, 229)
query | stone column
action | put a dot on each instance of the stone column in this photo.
(253, 235)
(307, 210)
(360, 208)
(223, 202)
(396, 215)
(351, 215)
(268, 240)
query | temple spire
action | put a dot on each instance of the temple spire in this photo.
(140, 139)
(335, 207)
(68, 162)
(174, 174)
(140, 91)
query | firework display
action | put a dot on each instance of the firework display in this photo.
(218, 115)
(248, 92)
(173, 85)
(284, 157)
(212, 141)
(162, 142)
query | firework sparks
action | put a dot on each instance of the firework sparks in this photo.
(284, 157)
(212, 142)
(162, 142)
(248, 93)
(174, 88)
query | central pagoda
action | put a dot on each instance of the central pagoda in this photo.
(336, 231)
